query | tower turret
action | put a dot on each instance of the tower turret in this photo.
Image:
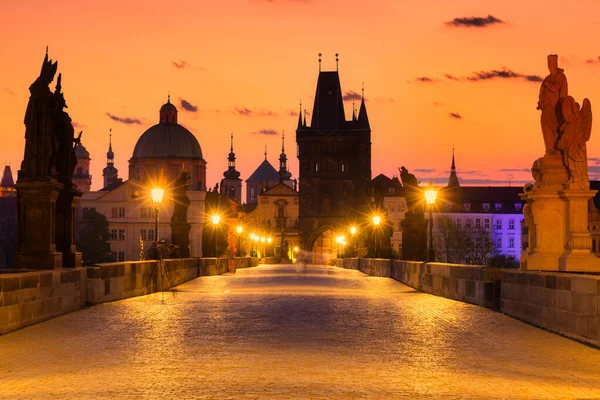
(110, 173)
(231, 185)
(453, 180)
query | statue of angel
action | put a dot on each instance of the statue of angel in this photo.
(575, 132)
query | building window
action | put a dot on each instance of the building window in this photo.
(594, 245)
(477, 222)
(121, 256)
(498, 224)
(113, 234)
(391, 206)
(343, 167)
(252, 195)
(145, 213)
(113, 256)
(486, 206)
(122, 212)
(469, 223)
(499, 243)
(317, 166)
(143, 234)
(458, 223)
(511, 242)
(518, 206)
(448, 207)
(121, 234)
(467, 206)
(114, 212)
(498, 206)
(151, 234)
(511, 224)
(486, 223)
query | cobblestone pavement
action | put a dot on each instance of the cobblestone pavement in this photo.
(287, 332)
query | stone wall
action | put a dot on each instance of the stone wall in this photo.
(473, 284)
(30, 297)
(568, 304)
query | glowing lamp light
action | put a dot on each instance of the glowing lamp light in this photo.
(430, 195)
(353, 230)
(344, 243)
(252, 236)
(262, 239)
(296, 249)
(239, 229)
(269, 240)
(215, 219)
(157, 195)
(338, 239)
(376, 219)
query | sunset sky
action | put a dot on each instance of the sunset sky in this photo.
(435, 76)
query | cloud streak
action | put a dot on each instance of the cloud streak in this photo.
(455, 115)
(352, 96)
(474, 22)
(504, 73)
(425, 79)
(8, 90)
(187, 106)
(593, 60)
(267, 132)
(247, 112)
(124, 120)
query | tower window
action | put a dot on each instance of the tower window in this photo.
(343, 169)
(317, 166)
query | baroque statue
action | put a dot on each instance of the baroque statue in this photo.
(41, 145)
(553, 91)
(64, 133)
(575, 132)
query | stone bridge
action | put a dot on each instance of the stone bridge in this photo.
(292, 331)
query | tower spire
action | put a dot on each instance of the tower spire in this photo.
(265, 152)
(231, 148)
(282, 141)
(300, 116)
(305, 118)
(320, 62)
(453, 179)
(337, 59)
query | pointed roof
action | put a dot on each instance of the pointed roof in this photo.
(110, 155)
(328, 110)
(81, 152)
(363, 119)
(300, 117)
(231, 173)
(264, 172)
(7, 178)
(453, 179)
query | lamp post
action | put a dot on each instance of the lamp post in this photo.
(157, 195)
(430, 197)
(239, 231)
(376, 222)
(353, 232)
(215, 221)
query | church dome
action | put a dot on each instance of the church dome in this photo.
(167, 139)
(81, 152)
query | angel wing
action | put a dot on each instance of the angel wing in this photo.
(586, 119)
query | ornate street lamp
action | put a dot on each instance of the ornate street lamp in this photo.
(430, 197)
(215, 218)
(239, 231)
(376, 222)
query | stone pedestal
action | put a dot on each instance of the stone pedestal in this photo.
(180, 236)
(65, 227)
(36, 245)
(557, 217)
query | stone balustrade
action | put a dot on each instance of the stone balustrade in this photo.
(561, 302)
(30, 297)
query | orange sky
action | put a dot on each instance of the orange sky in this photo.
(119, 58)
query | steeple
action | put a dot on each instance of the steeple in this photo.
(453, 180)
(363, 119)
(110, 173)
(7, 184)
(284, 174)
(328, 110)
(305, 118)
(300, 116)
(231, 172)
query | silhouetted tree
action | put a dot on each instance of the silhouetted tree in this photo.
(93, 239)
(462, 244)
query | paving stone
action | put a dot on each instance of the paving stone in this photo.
(290, 332)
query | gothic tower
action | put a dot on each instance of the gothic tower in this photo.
(110, 173)
(231, 184)
(335, 163)
(81, 176)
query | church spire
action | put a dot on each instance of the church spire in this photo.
(283, 172)
(231, 173)
(363, 119)
(110, 173)
(110, 156)
(453, 179)
(300, 116)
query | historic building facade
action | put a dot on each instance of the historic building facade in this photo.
(335, 167)
(158, 158)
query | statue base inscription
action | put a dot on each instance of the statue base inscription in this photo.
(557, 217)
(36, 237)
